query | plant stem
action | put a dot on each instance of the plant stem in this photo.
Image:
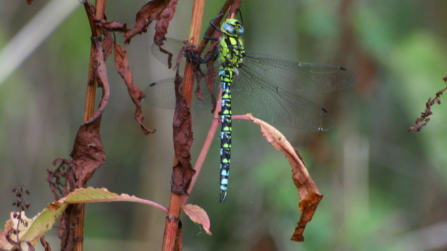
(175, 200)
(89, 110)
(172, 219)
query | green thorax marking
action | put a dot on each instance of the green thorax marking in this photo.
(231, 46)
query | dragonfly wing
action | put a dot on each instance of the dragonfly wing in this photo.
(166, 50)
(161, 94)
(278, 105)
(298, 77)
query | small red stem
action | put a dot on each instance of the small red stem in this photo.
(206, 146)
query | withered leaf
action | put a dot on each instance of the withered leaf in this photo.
(100, 72)
(9, 226)
(102, 23)
(112, 25)
(107, 44)
(29, 1)
(307, 190)
(163, 23)
(135, 93)
(183, 138)
(88, 152)
(198, 91)
(149, 12)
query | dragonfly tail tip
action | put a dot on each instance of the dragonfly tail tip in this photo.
(223, 196)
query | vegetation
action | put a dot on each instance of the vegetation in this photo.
(384, 188)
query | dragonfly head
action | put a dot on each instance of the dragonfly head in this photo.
(232, 28)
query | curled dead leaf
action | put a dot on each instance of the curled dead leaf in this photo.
(148, 13)
(308, 192)
(135, 93)
(183, 138)
(163, 23)
(100, 73)
(107, 44)
(88, 152)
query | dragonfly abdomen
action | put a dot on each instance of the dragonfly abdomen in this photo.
(231, 53)
(226, 78)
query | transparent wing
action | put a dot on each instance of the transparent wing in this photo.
(167, 50)
(277, 105)
(298, 77)
(161, 94)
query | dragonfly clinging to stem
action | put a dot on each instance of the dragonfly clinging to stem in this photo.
(269, 87)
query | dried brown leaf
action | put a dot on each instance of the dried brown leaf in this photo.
(135, 93)
(4, 243)
(88, 152)
(149, 12)
(112, 25)
(107, 44)
(105, 26)
(100, 73)
(198, 215)
(183, 138)
(102, 23)
(163, 23)
(307, 190)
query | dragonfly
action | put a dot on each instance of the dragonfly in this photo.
(269, 87)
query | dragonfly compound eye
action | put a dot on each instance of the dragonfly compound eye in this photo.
(232, 27)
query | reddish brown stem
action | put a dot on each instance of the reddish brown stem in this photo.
(188, 84)
(89, 110)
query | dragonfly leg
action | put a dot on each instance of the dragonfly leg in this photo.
(196, 57)
(240, 13)
(214, 26)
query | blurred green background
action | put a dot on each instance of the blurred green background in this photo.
(384, 188)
